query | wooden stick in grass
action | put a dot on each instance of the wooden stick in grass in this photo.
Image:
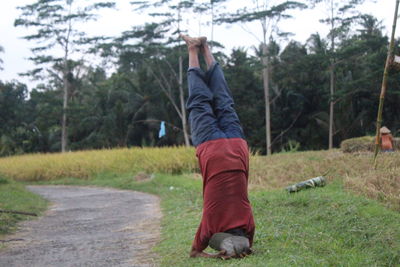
(18, 212)
(388, 65)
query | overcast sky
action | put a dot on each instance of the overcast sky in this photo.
(113, 22)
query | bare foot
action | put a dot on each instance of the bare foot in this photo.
(203, 40)
(203, 43)
(192, 42)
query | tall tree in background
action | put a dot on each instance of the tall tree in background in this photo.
(269, 15)
(15, 130)
(246, 86)
(171, 18)
(57, 39)
(1, 61)
(212, 7)
(341, 14)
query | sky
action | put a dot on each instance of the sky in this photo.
(113, 22)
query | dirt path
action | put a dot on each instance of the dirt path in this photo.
(87, 226)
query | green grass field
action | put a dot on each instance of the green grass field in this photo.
(317, 227)
(14, 196)
(330, 226)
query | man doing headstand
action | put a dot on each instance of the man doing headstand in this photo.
(222, 153)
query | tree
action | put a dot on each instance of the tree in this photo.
(211, 7)
(358, 62)
(269, 16)
(55, 23)
(1, 61)
(172, 12)
(44, 114)
(241, 72)
(341, 15)
(16, 132)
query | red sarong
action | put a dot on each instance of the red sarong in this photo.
(224, 165)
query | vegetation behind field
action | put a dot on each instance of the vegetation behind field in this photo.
(122, 103)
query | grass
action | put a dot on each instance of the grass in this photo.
(364, 144)
(84, 164)
(273, 172)
(14, 196)
(317, 227)
(355, 170)
(328, 226)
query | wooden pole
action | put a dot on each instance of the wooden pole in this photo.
(18, 212)
(389, 62)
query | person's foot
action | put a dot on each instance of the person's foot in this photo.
(192, 42)
(203, 41)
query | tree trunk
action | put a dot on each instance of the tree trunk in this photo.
(212, 25)
(332, 79)
(182, 100)
(265, 74)
(65, 71)
(64, 130)
(331, 103)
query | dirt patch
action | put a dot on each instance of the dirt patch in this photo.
(88, 226)
(143, 177)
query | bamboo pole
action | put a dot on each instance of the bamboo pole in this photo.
(389, 62)
(18, 212)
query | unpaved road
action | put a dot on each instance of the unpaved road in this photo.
(87, 226)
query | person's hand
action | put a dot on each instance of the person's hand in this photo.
(221, 254)
(243, 253)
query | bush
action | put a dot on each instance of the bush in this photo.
(363, 144)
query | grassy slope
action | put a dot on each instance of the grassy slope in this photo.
(355, 170)
(266, 173)
(13, 196)
(317, 227)
(324, 226)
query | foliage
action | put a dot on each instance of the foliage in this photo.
(1, 61)
(269, 14)
(122, 104)
(17, 134)
(54, 22)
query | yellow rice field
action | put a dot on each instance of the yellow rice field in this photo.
(272, 172)
(83, 164)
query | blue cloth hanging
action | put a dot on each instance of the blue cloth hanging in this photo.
(162, 130)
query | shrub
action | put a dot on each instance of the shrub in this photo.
(363, 144)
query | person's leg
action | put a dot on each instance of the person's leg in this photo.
(203, 123)
(228, 120)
